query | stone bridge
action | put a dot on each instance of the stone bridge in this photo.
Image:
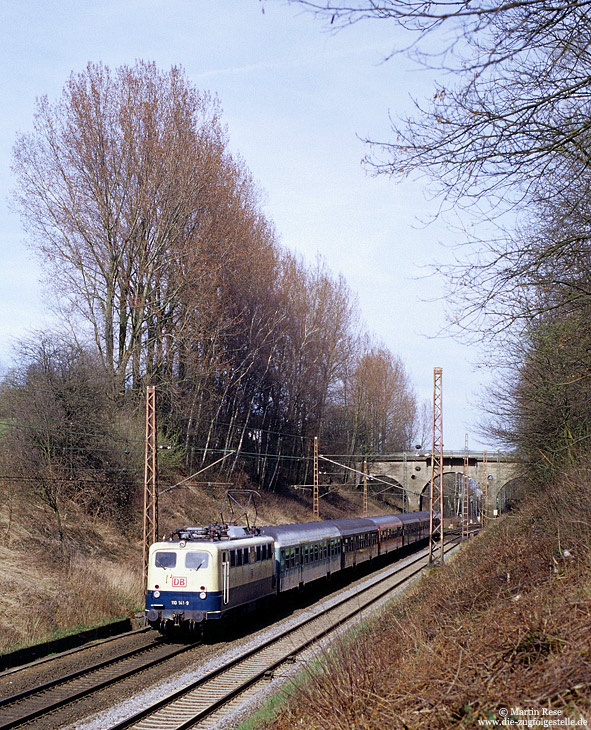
(412, 472)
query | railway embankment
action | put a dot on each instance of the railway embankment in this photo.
(51, 590)
(499, 637)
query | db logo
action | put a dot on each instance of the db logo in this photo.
(178, 582)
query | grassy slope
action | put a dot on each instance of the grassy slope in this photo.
(505, 625)
(45, 594)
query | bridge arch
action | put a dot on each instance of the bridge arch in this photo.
(508, 495)
(453, 491)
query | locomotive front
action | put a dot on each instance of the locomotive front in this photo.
(183, 586)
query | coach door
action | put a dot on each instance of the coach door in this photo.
(225, 577)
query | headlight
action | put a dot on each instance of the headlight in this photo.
(203, 594)
(156, 594)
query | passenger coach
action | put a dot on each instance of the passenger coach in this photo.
(304, 552)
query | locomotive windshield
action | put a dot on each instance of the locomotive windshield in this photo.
(194, 560)
(165, 559)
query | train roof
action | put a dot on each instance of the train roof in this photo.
(209, 544)
(413, 516)
(382, 521)
(285, 535)
(294, 534)
(353, 525)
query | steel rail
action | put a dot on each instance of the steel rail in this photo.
(184, 708)
(32, 703)
(47, 655)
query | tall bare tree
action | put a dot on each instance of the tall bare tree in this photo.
(114, 184)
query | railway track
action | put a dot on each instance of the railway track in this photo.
(202, 704)
(206, 697)
(37, 701)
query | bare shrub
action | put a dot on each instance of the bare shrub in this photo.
(504, 624)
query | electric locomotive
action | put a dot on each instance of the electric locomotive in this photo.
(202, 573)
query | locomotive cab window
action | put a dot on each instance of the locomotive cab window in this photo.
(196, 560)
(165, 559)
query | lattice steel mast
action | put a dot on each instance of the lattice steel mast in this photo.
(150, 531)
(466, 494)
(315, 494)
(484, 510)
(436, 493)
(365, 505)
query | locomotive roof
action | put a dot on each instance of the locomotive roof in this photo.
(208, 544)
(213, 533)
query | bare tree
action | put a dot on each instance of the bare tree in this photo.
(61, 439)
(113, 185)
(503, 137)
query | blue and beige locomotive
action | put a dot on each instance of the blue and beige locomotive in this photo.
(203, 574)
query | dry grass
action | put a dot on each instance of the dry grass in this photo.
(44, 596)
(507, 624)
(46, 593)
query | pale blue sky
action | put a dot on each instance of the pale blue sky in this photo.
(296, 100)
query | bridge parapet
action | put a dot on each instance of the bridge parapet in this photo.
(412, 471)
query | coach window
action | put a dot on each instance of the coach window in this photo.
(165, 560)
(232, 558)
(282, 558)
(239, 557)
